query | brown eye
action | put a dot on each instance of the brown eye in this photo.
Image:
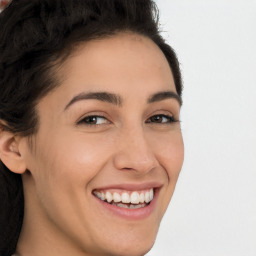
(159, 119)
(94, 120)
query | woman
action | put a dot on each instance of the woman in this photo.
(90, 140)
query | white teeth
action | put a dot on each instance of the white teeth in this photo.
(122, 205)
(131, 206)
(108, 197)
(102, 196)
(135, 198)
(151, 194)
(136, 206)
(147, 197)
(117, 198)
(98, 194)
(142, 198)
(126, 198)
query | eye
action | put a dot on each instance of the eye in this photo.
(94, 120)
(161, 119)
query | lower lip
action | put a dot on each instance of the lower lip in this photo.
(131, 214)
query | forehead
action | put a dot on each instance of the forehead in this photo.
(123, 60)
(126, 64)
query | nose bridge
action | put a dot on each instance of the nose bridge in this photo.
(133, 151)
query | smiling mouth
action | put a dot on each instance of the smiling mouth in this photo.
(126, 199)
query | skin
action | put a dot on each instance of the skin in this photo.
(70, 158)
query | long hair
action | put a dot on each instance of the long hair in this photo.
(36, 36)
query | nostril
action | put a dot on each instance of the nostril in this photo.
(134, 154)
(128, 169)
(128, 163)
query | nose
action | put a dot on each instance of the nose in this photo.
(133, 152)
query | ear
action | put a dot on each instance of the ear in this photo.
(9, 152)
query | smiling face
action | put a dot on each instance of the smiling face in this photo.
(109, 132)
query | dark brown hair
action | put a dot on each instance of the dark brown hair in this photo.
(35, 37)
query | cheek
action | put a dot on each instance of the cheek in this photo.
(73, 160)
(64, 167)
(175, 156)
(169, 149)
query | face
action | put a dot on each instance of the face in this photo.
(108, 151)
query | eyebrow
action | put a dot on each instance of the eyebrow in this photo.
(159, 96)
(117, 99)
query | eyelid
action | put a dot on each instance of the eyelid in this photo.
(101, 114)
(81, 121)
(171, 118)
(165, 111)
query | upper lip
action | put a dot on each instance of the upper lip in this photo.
(132, 186)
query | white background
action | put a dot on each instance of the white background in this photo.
(213, 211)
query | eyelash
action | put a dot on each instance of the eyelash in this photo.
(170, 120)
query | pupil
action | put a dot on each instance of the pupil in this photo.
(92, 119)
(157, 119)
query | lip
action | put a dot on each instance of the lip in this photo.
(132, 187)
(126, 213)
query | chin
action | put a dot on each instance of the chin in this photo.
(132, 246)
(131, 250)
